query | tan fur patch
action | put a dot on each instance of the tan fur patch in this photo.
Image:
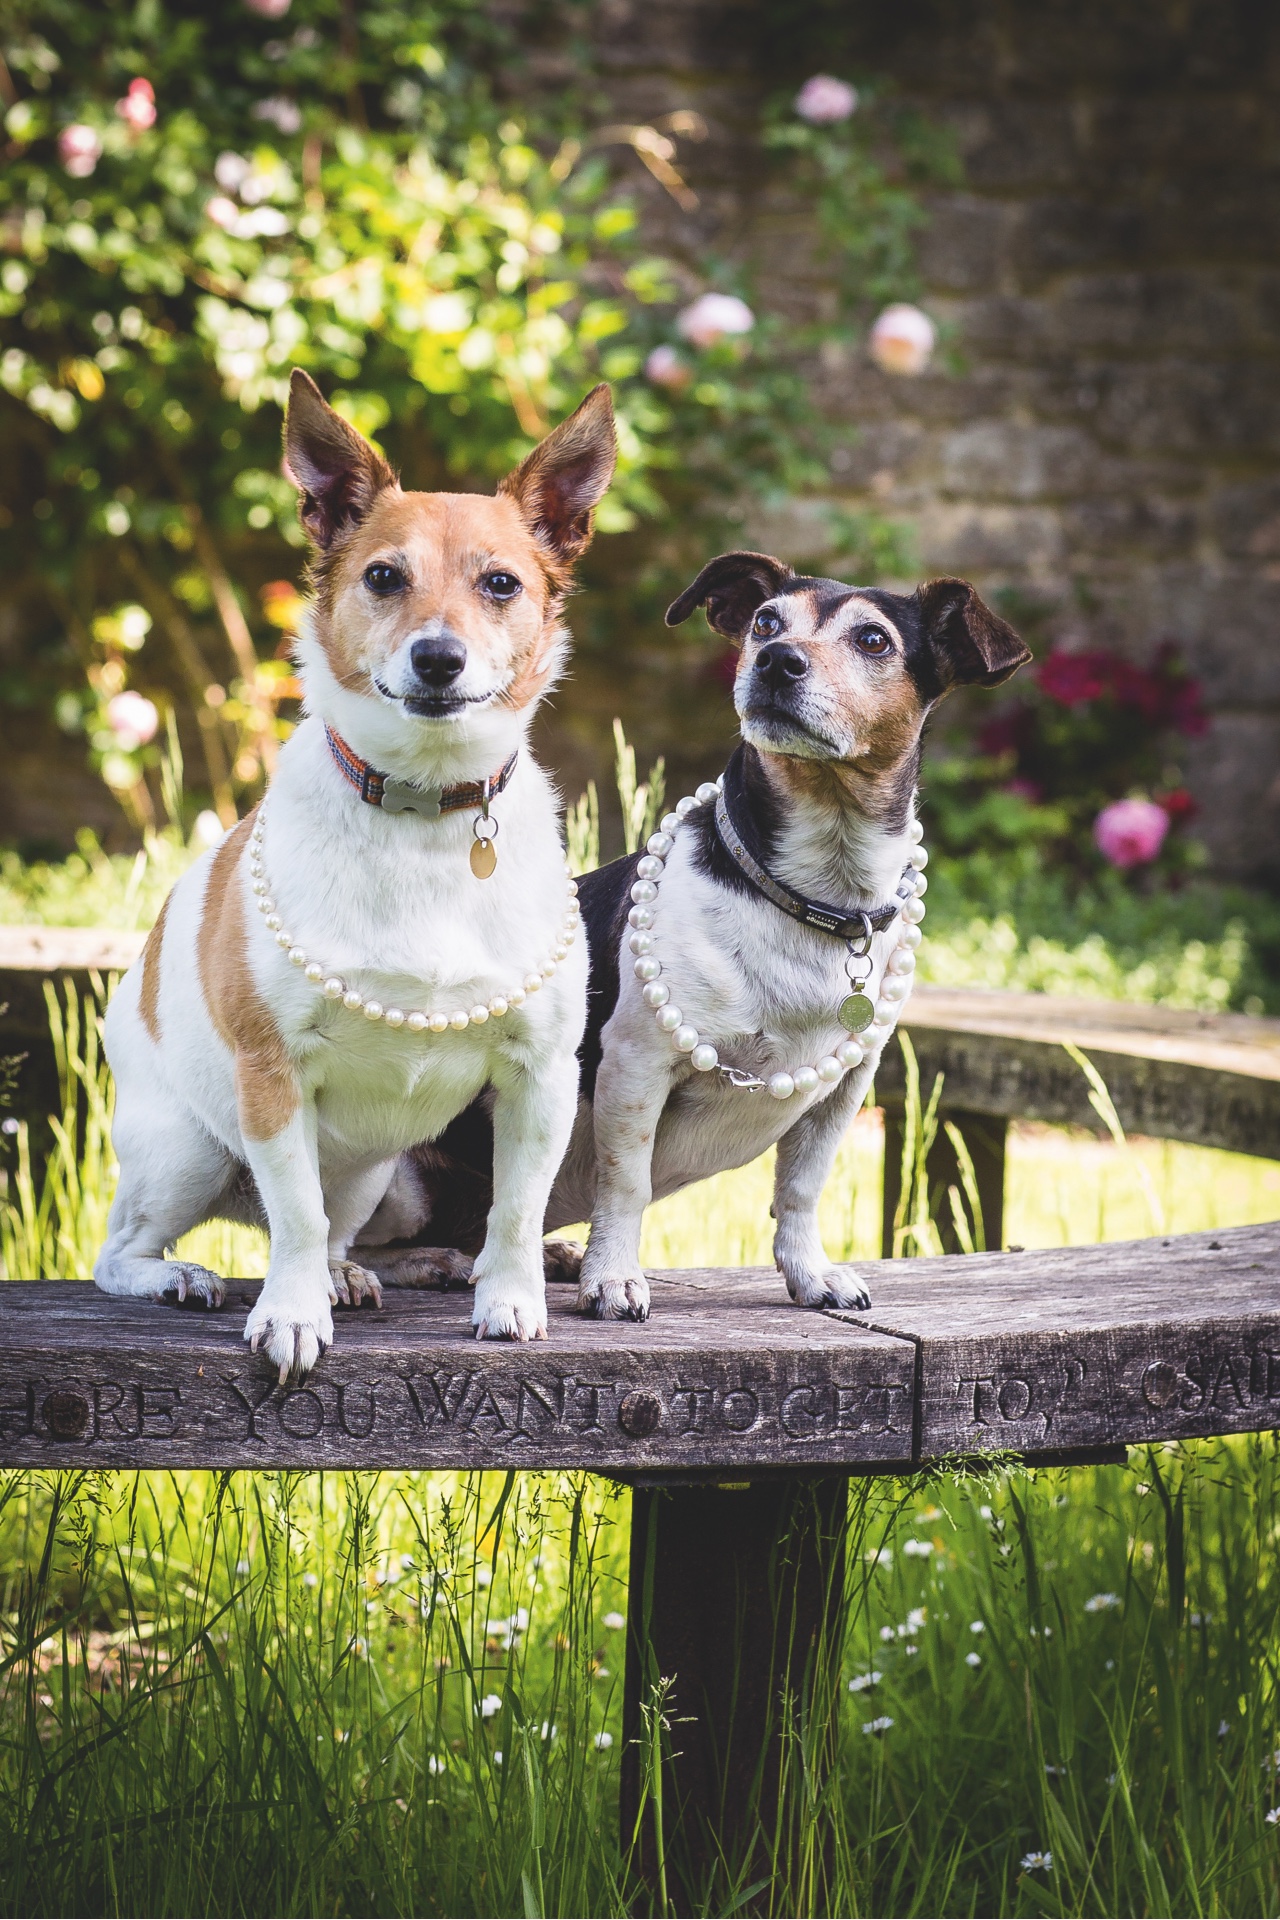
(266, 1084)
(149, 997)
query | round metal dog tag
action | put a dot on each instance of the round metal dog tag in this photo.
(856, 1012)
(484, 858)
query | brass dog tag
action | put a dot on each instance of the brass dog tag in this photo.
(856, 1013)
(484, 858)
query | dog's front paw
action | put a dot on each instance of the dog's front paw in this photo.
(442, 1267)
(292, 1338)
(187, 1285)
(832, 1287)
(504, 1313)
(608, 1298)
(352, 1285)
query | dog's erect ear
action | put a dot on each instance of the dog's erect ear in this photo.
(559, 484)
(973, 646)
(731, 587)
(336, 469)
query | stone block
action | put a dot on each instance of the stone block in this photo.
(1011, 542)
(1233, 772)
(1007, 460)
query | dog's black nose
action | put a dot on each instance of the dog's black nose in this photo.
(438, 662)
(781, 664)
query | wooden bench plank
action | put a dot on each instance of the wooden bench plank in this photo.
(90, 1381)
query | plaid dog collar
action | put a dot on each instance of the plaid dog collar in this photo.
(401, 796)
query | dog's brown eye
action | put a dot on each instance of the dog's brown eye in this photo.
(766, 623)
(872, 640)
(383, 578)
(501, 586)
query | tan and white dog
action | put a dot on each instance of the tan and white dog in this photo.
(251, 1088)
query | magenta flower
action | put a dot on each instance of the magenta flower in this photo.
(902, 339)
(823, 100)
(712, 316)
(665, 368)
(1129, 833)
(79, 150)
(138, 108)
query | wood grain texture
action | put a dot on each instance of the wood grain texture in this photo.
(91, 1381)
(1044, 1353)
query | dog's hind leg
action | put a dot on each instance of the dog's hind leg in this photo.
(806, 1154)
(172, 1176)
(350, 1202)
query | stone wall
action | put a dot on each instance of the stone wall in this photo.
(1106, 452)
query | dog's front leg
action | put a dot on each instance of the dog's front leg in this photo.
(631, 1090)
(533, 1118)
(291, 1318)
(806, 1154)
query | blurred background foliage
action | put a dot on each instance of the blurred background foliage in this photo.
(199, 194)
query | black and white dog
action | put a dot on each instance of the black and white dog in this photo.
(730, 1007)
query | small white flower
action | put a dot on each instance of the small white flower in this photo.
(883, 1558)
(548, 1730)
(435, 1764)
(973, 1659)
(1102, 1603)
(491, 1704)
(520, 1619)
(483, 1577)
(242, 1566)
(916, 1618)
(497, 1756)
(602, 1742)
(602, 1673)
(861, 1682)
(1054, 1773)
(881, 1724)
(1037, 1862)
(917, 1549)
(985, 1513)
(615, 1622)
(360, 1648)
(912, 1648)
(1111, 1666)
(823, 100)
(977, 1626)
(902, 339)
(310, 1580)
(1224, 1728)
(1202, 1619)
(1273, 1817)
(712, 316)
(888, 1633)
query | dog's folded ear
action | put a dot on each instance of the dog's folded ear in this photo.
(973, 646)
(731, 587)
(338, 473)
(558, 485)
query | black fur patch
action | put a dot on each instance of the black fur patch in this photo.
(756, 815)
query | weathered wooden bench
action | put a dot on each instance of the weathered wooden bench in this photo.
(735, 1418)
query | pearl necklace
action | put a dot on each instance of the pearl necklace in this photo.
(334, 988)
(703, 1057)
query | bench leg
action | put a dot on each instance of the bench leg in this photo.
(984, 1134)
(737, 1601)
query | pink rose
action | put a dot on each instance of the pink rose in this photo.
(902, 339)
(133, 720)
(712, 316)
(269, 9)
(665, 368)
(1129, 833)
(223, 212)
(822, 101)
(79, 150)
(138, 108)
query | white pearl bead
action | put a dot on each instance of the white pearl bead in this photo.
(573, 885)
(669, 822)
(532, 981)
(648, 867)
(498, 1006)
(704, 1057)
(640, 917)
(647, 967)
(922, 883)
(660, 844)
(641, 943)
(707, 791)
(849, 1054)
(516, 997)
(314, 972)
(334, 989)
(886, 1014)
(373, 1009)
(910, 938)
(781, 1086)
(806, 1079)
(915, 831)
(685, 807)
(260, 886)
(894, 987)
(352, 1000)
(828, 1070)
(273, 920)
(548, 969)
(394, 1017)
(284, 939)
(669, 1018)
(297, 958)
(902, 960)
(478, 1016)
(643, 892)
(459, 1019)
(913, 913)
(559, 951)
(438, 1022)
(416, 1021)
(685, 1039)
(918, 858)
(656, 994)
